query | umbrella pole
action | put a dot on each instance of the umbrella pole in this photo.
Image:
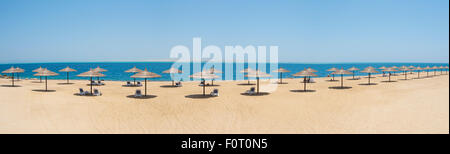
(406, 78)
(91, 85)
(212, 82)
(204, 89)
(353, 75)
(304, 84)
(257, 80)
(40, 79)
(333, 77)
(173, 83)
(45, 83)
(145, 86)
(342, 80)
(13, 79)
(389, 76)
(281, 77)
(248, 81)
(67, 77)
(369, 78)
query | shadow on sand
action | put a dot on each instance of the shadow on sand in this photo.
(280, 83)
(199, 96)
(332, 80)
(168, 86)
(142, 97)
(258, 94)
(11, 86)
(367, 84)
(65, 83)
(246, 84)
(302, 91)
(37, 82)
(389, 81)
(132, 86)
(210, 85)
(41, 90)
(354, 79)
(339, 87)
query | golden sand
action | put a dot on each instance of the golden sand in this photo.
(411, 106)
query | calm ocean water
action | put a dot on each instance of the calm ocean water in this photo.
(116, 69)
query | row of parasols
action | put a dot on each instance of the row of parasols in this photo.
(211, 73)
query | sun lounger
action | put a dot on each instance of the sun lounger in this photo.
(202, 83)
(251, 91)
(178, 84)
(100, 83)
(93, 83)
(139, 84)
(215, 92)
(138, 93)
(129, 84)
(82, 92)
(97, 93)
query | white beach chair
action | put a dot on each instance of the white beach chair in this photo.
(251, 91)
(100, 83)
(139, 84)
(178, 84)
(215, 92)
(93, 83)
(82, 92)
(138, 93)
(97, 93)
(129, 84)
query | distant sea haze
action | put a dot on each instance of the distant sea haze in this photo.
(116, 69)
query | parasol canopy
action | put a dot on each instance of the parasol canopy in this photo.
(145, 74)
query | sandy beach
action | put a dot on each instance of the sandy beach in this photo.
(411, 106)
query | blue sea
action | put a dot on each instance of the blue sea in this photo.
(116, 69)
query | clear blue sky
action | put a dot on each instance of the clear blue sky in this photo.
(305, 31)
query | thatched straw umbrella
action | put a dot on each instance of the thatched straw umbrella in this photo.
(332, 70)
(369, 70)
(382, 68)
(246, 71)
(305, 73)
(342, 72)
(281, 71)
(389, 70)
(39, 70)
(257, 74)
(11, 70)
(203, 76)
(405, 70)
(213, 70)
(441, 68)
(91, 73)
(435, 69)
(172, 71)
(411, 69)
(427, 69)
(98, 69)
(134, 70)
(19, 70)
(146, 74)
(309, 69)
(418, 69)
(353, 69)
(46, 73)
(67, 70)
